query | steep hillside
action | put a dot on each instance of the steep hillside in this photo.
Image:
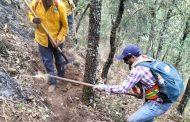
(20, 62)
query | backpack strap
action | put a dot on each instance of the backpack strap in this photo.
(37, 1)
(142, 58)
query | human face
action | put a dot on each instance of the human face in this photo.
(47, 3)
(129, 60)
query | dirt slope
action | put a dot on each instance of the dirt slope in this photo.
(20, 59)
(22, 62)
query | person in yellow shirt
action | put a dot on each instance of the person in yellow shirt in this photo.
(52, 13)
(70, 6)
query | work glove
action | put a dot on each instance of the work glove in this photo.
(100, 87)
(36, 20)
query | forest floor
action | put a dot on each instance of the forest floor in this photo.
(65, 105)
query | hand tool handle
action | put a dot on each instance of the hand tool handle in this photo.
(72, 81)
(82, 83)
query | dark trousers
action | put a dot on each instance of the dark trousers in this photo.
(70, 24)
(47, 54)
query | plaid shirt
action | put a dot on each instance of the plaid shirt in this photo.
(137, 74)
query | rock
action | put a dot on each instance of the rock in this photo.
(64, 89)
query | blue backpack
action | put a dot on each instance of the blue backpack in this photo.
(171, 83)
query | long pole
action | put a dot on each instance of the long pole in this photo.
(82, 83)
(51, 38)
(72, 81)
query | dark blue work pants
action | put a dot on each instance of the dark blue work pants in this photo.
(47, 54)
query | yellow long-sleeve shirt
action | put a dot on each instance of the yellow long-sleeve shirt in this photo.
(54, 19)
(70, 6)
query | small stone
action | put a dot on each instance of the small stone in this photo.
(77, 99)
(64, 90)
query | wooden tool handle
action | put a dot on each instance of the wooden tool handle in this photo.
(72, 81)
(83, 83)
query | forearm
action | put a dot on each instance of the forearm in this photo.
(119, 89)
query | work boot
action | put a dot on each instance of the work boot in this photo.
(51, 88)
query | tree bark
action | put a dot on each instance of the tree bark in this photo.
(113, 46)
(92, 49)
(185, 98)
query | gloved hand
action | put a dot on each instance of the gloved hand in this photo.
(36, 20)
(100, 87)
(58, 43)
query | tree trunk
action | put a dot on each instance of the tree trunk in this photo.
(164, 58)
(152, 34)
(185, 98)
(182, 41)
(113, 46)
(163, 30)
(82, 17)
(139, 26)
(92, 49)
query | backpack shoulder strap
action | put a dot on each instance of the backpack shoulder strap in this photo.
(142, 58)
(144, 63)
(149, 65)
(36, 4)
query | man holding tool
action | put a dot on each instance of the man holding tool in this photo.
(160, 84)
(51, 15)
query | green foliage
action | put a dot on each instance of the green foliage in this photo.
(81, 5)
(136, 26)
(171, 17)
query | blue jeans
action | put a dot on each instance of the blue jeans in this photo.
(47, 54)
(70, 24)
(148, 111)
